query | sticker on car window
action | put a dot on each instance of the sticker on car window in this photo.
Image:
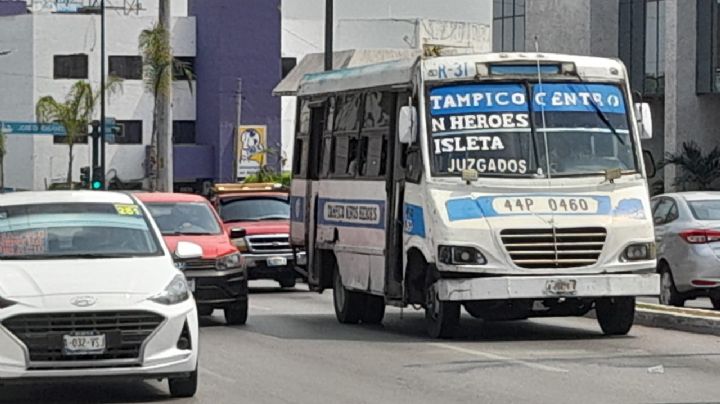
(128, 210)
(28, 242)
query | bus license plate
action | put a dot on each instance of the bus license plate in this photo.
(544, 204)
(561, 287)
(76, 344)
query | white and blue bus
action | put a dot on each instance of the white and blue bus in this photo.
(512, 185)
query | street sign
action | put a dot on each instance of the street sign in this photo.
(36, 128)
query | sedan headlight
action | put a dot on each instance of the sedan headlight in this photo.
(176, 292)
(455, 255)
(228, 262)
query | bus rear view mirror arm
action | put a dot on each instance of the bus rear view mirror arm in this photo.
(407, 125)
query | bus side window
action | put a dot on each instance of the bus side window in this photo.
(346, 125)
(414, 169)
(300, 147)
(375, 131)
(298, 158)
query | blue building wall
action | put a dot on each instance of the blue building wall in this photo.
(236, 40)
(12, 7)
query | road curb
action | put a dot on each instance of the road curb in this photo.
(698, 321)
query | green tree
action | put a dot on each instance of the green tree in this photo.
(698, 171)
(74, 114)
(159, 67)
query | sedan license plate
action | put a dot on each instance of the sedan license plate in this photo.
(561, 287)
(77, 344)
(277, 261)
(191, 284)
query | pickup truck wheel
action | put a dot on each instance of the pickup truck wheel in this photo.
(615, 314)
(715, 300)
(348, 304)
(287, 283)
(442, 317)
(374, 309)
(184, 387)
(236, 313)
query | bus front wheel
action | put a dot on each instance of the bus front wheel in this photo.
(615, 314)
(442, 317)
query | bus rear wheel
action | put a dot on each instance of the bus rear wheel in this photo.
(374, 309)
(442, 317)
(348, 304)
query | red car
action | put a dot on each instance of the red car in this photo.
(262, 213)
(219, 279)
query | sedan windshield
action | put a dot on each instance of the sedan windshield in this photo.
(254, 209)
(567, 129)
(705, 210)
(184, 218)
(75, 230)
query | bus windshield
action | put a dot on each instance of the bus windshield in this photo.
(567, 129)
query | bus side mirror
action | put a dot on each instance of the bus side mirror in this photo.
(644, 118)
(407, 125)
(649, 162)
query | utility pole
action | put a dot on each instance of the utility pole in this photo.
(164, 103)
(328, 34)
(101, 175)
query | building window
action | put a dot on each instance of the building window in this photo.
(642, 44)
(70, 66)
(184, 66)
(287, 65)
(509, 25)
(708, 46)
(184, 132)
(130, 132)
(126, 67)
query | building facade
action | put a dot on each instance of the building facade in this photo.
(51, 44)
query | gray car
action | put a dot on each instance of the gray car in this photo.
(687, 233)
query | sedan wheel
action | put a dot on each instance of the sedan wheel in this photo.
(669, 294)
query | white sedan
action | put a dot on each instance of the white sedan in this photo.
(88, 289)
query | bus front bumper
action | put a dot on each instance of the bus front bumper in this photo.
(548, 287)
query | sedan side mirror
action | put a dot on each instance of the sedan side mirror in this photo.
(237, 233)
(188, 251)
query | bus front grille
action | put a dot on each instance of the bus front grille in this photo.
(554, 248)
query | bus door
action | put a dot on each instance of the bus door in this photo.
(304, 188)
(395, 202)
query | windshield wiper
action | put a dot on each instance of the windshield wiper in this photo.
(600, 113)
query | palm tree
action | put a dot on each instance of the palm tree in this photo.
(699, 171)
(159, 66)
(75, 114)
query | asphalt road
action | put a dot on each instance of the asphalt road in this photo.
(293, 351)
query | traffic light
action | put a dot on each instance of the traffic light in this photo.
(84, 177)
(98, 179)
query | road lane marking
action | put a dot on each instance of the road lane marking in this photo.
(501, 358)
(217, 375)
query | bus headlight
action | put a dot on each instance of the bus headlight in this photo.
(639, 252)
(457, 255)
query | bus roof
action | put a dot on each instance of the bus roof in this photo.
(397, 72)
(447, 68)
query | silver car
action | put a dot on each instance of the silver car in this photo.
(687, 233)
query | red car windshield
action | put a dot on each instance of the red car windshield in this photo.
(184, 218)
(254, 209)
